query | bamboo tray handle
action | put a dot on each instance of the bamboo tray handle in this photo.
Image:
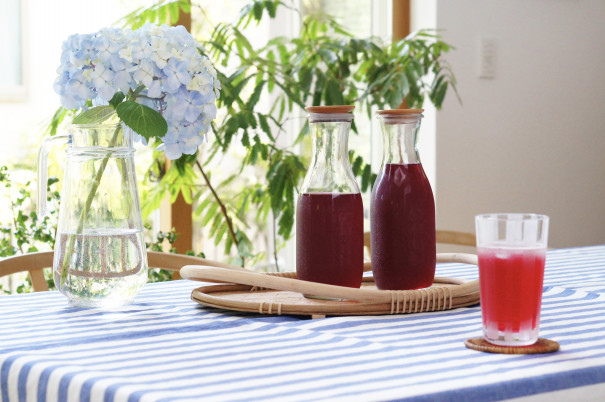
(251, 278)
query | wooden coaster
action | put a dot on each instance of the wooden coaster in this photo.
(542, 346)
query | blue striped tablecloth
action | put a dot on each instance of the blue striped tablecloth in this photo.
(166, 347)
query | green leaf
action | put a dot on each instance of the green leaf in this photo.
(439, 94)
(329, 56)
(290, 96)
(356, 165)
(244, 246)
(56, 120)
(174, 12)
(162, 14)
(228, 245)
(142, 119)
(222, 230)
(94, 115)
(306, 78)
(320, 81)
(271, 8)
(258, 11)
(245, 139)
(367, 178)
(264, 125)
(255, 96)
(333, 93)
(152, 198)
(118, 97)
(245, 11)
(210, 213)
(185, 6)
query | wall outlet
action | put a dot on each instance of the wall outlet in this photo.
(488, 49)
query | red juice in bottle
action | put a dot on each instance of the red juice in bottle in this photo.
(403, 228)
(511, 289)
(329, 238)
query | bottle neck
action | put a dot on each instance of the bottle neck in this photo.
(330, 170)
(329, 142)
(399, 140)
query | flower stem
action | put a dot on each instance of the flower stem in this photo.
(222, 206)
(91, 195)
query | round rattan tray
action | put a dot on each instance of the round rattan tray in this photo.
(282, 293)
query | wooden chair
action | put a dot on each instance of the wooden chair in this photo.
(456, 238)
(35, 262)
(442, 237)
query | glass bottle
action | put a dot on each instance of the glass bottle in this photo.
(402, 208)
(329, 212)
(100, 258)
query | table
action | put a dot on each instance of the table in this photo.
(166, 347)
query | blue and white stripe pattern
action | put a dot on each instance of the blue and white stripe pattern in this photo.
(166, 347)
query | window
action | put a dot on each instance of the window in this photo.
(12, 77)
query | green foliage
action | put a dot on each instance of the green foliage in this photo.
(323, 65)
(162, 12)
(162, 275)
(165, 181)
(285, 173)
(26, 232)
(58, 119)
(363, 170)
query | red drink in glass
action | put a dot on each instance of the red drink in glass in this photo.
(511, 293)
(403, 228)
(329, 238)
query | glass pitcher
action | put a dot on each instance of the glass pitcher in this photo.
(329, 212)
(402, 210)
(100, 258)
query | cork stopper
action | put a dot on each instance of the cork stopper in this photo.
(399, 112)
(335, 113)
(400, 116)
(330, 109)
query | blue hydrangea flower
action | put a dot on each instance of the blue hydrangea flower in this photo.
(161, 63)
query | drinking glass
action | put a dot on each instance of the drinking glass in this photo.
(512, 251)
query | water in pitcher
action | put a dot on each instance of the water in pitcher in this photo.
(108, 268)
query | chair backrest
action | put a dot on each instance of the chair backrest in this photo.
(34, 263)
(442, 237)
(456, 238)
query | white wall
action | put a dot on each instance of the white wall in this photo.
(424, 16)
(532, 138)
